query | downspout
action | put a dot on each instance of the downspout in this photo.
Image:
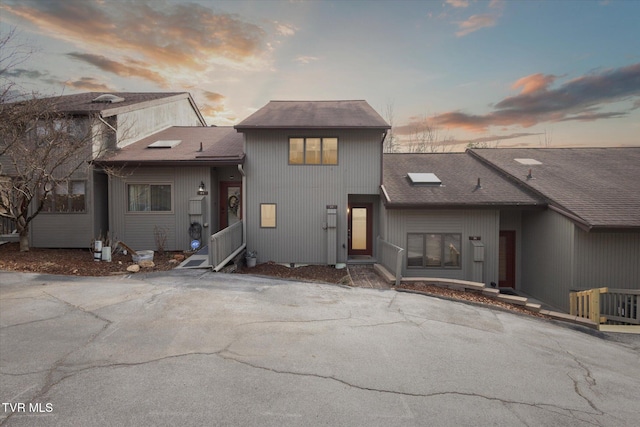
(384, 136)
(243, 206)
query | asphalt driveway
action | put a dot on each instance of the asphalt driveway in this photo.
(193, 348)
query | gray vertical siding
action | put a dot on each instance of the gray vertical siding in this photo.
(137, 124)
(302, 192)
(66, 230)
(548, 257)
(607, 260)
(137, 229)
(483, 223)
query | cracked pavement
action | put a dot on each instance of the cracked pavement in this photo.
(197, 348)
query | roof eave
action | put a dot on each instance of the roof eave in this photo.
(241, 128)
(219, 161)
(500, 205)
(108, 112)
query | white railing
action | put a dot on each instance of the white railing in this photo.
(390, 256)
(225, 244)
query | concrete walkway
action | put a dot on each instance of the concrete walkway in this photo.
(364, 276)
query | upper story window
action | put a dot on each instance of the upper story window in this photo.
(313, 151)
(66, 197)
(149, 197)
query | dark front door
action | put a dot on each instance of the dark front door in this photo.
(230, 200)
(507, 265)
(360, 220)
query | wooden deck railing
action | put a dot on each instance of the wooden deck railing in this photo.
(390, 256)
(225, 244)
(606, 306)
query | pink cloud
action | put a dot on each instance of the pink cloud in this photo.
(534, 83)
(475, 23)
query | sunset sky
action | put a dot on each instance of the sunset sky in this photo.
(475, 70)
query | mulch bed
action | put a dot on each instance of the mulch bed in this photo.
(72, 262)
(470, 295)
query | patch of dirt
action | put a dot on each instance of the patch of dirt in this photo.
(473, 296)
(73, 262)
(315, 273)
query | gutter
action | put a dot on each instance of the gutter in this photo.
(386, 195)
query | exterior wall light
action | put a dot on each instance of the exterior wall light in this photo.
(202, 190)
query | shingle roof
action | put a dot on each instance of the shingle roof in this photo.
(314, 114)
(220, 145)
(459, 174)
(81, 102)
(597, 186)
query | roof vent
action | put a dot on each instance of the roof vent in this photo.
(528, 161)
(168, 143)
(429, 179)
(108, 98)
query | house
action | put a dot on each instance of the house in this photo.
(589, 234)
(77, 211)
(313, 175)
(446, 211)
(184, 182)
(306, 182)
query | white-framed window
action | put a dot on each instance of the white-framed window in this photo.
(268, 215)
(434, 250)
(149, 198)
(313, 151)
(66, 197)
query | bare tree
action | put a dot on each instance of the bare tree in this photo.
(12, 54)
(426, 139)
(391, 141)
(547, 138)
(44, 152)
(484, 144)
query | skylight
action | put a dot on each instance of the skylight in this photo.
(166, 143)
(424, 179)
(528, 162)
(108, 98)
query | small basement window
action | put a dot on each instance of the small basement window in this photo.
(430, 179)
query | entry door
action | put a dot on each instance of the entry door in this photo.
(230, 200)
(507, 276)
(359, 232)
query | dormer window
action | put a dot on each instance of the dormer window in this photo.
(313, 151)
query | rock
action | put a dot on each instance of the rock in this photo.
(145, 263)
(133, 268)
(178, 257)
(173, 261)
